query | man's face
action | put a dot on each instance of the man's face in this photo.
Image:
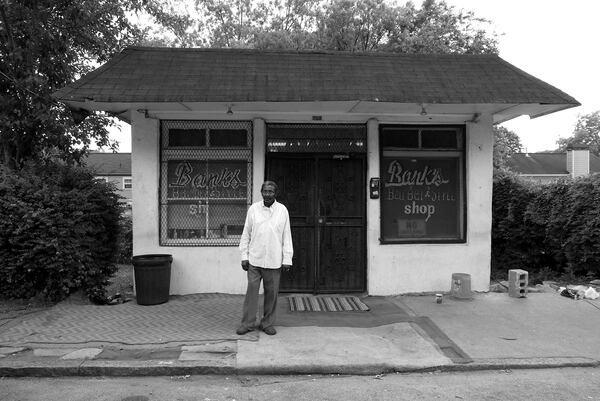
(268, 194)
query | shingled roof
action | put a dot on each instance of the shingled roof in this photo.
(106, 164)
(546, 163)
(213, 75)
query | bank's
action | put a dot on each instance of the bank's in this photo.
(383, 160)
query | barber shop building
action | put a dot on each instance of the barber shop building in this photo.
(384, 161)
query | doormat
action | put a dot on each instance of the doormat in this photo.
(326, 304)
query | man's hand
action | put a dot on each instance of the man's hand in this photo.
(286, 268)
(245, 265)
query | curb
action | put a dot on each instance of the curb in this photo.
(183, 368)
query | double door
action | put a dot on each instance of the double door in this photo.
(325, 196)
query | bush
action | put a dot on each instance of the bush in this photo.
(581, 246)
(125, 240)
(513, 243)
(59, 229)
(550, 230)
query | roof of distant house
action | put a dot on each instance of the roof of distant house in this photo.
(109, 163)
(546, 163)
(141, 74)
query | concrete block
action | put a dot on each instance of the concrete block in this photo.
(518, 280)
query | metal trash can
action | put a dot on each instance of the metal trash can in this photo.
(461, 286)
(152, 278)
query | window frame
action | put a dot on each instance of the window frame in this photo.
(420, 155)
(199, 155)
(125, 179)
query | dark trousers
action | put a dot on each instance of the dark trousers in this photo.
(270, 278)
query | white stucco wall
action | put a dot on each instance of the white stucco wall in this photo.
(194, 269)
(391, 269)
(408, 268)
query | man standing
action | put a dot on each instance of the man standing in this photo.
(266, 247)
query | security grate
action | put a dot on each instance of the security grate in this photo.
(318, 138)
(206, 171)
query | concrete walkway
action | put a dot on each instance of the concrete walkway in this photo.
(195, 334)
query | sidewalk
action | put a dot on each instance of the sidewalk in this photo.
(195, 334)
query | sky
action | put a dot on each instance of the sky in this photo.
(555, 41)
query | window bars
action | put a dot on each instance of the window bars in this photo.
(206, 181)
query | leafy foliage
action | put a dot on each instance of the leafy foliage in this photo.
(506, 143)
(58, 232)
(45, 45)
(125, 240)
(587, 132)
(347, 25)
(551, 229)
(514, 244)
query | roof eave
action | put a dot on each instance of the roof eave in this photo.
(533, 110)
(500, 112)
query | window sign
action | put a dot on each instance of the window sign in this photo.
(205, 182)
(422, 190)
(192, 179)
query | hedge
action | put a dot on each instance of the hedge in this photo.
(125, 240)
(59, 231)
(549, 230)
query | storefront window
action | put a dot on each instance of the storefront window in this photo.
(206, 170)
(422, 184)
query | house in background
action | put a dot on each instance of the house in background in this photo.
(384, 161)
(114, 168)
(546, 168)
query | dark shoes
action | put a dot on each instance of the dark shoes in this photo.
(243, 330)
(270, 330)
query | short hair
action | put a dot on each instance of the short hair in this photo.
(272, 183)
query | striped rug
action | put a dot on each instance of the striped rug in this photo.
(308, 303)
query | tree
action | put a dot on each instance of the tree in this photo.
(439, 28)
(506, 143)
(348, 25)
(45, 45)
(586, 132)
(366, 25)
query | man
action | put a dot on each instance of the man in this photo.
(266, 247)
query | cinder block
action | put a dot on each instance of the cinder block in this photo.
(518, 280)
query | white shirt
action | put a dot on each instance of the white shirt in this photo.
(267, 238)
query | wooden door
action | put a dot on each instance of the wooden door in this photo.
(325, 196)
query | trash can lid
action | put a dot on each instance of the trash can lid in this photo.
(154, 256)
